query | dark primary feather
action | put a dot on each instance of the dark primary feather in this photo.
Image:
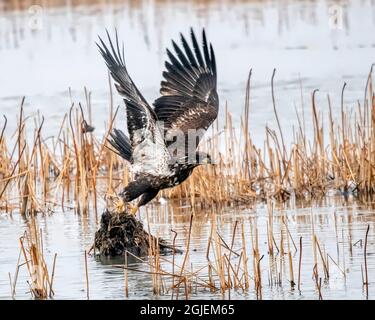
(140, 116)
(189, 98)
(122, 144)
(147, 150)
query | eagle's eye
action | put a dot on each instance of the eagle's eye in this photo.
(204, 159)
(208, 159)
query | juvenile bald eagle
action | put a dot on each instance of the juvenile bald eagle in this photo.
(189, 103)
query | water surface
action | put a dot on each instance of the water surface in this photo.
(312, 44)
(41, 59)
(339, 229)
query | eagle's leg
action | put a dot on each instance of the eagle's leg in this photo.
(146, 198)
(132, 191)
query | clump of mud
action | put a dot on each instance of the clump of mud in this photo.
(121, 232)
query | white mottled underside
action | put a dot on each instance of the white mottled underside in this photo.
(150, 154)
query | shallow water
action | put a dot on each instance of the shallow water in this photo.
(41, 59)
(338, 228)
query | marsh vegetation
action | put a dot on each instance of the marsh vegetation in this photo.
(286, 212)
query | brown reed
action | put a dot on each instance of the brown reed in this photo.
(78, 166)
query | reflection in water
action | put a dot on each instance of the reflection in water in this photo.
(320, 44)
(309, 42)
(153, 16)
(339, 229)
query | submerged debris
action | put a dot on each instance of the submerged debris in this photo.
(121, 232)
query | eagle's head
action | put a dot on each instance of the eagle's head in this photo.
(203, 158)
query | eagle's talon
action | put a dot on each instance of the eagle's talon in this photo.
(119, 205)
(133, 210)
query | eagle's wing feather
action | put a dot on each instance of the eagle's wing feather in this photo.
(122, 144)
(149, 152)
(189, 98)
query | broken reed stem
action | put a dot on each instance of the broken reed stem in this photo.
(276, 115)
(300, 264)
(244, 260)
(87, 278)
(318, 281)
(365, 257)
(259, 280)
(173, 258)
(186, 254)
(14, 283)
(32, 250)
(126, 280)
(324, 262)
(53, 275)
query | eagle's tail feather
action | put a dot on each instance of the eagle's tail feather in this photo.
(121, 143)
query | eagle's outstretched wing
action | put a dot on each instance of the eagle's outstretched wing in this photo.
(149, 152)
(189, 100)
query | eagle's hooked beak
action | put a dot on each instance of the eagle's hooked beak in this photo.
(207, 160)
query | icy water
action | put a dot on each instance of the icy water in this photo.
(44, 51)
